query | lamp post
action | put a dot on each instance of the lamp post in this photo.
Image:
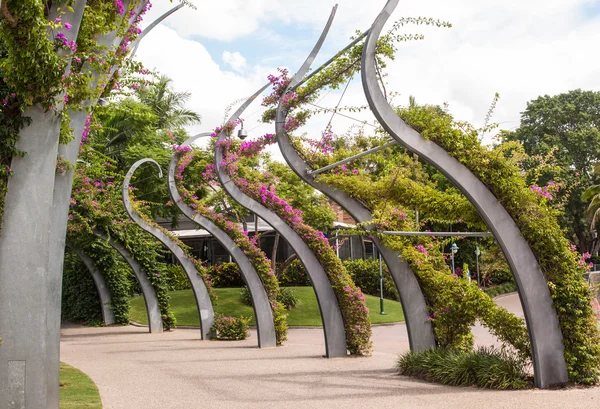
(477, 254)
(454, 250)
(381, 310)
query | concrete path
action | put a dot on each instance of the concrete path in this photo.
(134, 369)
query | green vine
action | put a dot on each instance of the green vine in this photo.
(538, 223)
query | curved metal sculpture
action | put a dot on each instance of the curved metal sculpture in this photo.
(542, 322)
(420, 330)
(201, 295)
(263, 313)
(155, 322)
(136, 43)
(108, 316)
(333, 323)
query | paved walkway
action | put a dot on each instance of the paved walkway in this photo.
(134, 369)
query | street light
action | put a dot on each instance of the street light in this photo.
(381, 310)
(477, 254)
(454, 250)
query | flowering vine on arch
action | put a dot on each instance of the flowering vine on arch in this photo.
(249, 246)
(263, 189)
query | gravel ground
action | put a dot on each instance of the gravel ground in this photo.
(134, 369)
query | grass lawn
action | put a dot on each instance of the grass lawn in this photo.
(306, 312)
(77, 390)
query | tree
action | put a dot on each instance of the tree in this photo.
(567, 126)
(168, 105)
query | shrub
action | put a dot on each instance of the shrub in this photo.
(231, 328)
(294, 275)
(176, 278)
(501, 289)
(484, 368)
(286, 297)
(365, 274)
(245, 296)
(226, 275)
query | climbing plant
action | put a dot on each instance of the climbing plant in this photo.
(262, 188)
(249, 246)
(96, 205)
(561, 264)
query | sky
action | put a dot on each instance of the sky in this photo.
(224, 50)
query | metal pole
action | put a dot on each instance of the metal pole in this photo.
(351, 158)
(381, 309)
(453, 264)
(477, 260)
(439, 233)
(417, 218)
(354, 42)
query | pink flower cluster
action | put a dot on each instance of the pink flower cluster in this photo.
(179, 148)
(280, 84)
(71, 45)
(86, 129)
(209, 173)
(252, 148)
(547, 191)
(421, 249)
(583, 261)
(120, 7)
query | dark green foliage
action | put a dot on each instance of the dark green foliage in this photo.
(538, 223)
(80, 301)
(504, 288)
(245, 296)
(286, 296)
(176, 279)
(484, 368)
(226, 275)
(231, 328)
(566, 126)
(365, 274)
(119, 278)
(294, 275)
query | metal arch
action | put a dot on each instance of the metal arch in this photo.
(108, 316)
(265, 326)
(333, 323)
(542, 322)
(155, 322)
(419, 328)
(156, 22)
(201, 295)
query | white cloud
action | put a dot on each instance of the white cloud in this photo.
(520, 49)
(235, 60)
(192, 68)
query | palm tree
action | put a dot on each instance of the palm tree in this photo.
(167, 104)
